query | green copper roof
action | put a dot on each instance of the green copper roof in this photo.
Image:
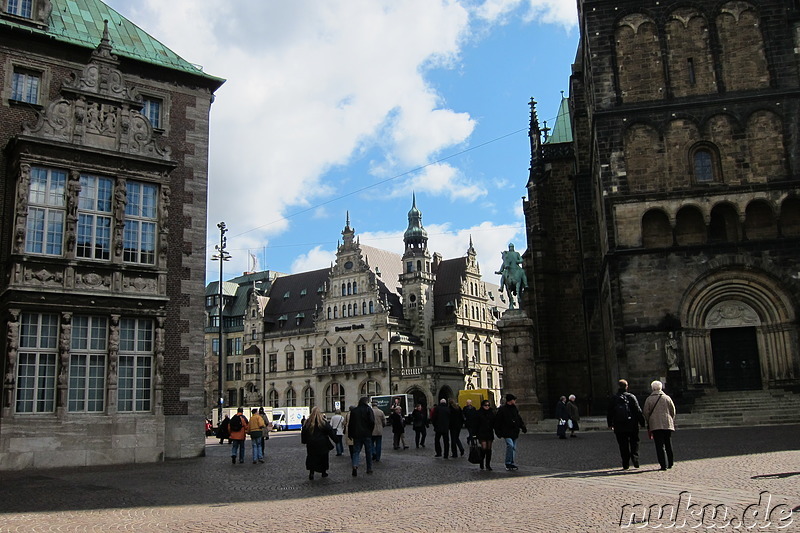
(562, 131)
(80, 22)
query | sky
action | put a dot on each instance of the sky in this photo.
(351, 106)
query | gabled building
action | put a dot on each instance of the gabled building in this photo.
(663, 218)
(103, 179)
(374, 323)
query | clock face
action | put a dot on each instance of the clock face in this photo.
(348, 265)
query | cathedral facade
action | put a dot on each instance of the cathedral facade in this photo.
(374, 323)
(663, 210)
(103, 177)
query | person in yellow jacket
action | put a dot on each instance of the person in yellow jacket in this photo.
(256, 429)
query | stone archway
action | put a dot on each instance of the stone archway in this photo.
(739, 331)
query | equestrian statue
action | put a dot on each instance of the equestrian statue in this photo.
(512, 276)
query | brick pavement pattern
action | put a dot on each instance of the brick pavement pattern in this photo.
(575, 485)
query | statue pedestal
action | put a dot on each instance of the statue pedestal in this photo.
(519, 372)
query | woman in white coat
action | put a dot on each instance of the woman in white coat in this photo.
(659, 411)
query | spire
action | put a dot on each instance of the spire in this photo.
(535, 135)
(415, 235)
(348, 232)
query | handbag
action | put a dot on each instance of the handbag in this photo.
(569, 423)
(474, 452)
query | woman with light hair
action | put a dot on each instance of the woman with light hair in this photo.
(659, 412)
(574, 416)
(317, 435)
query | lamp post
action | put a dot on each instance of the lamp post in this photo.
(220, 256)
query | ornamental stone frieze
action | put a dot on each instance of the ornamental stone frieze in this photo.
(98, 109)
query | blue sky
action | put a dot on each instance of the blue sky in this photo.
(350, 105)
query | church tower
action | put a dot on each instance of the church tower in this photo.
(417, 278)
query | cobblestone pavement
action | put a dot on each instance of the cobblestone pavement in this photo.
(573, 485)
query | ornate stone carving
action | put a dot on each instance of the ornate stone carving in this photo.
(120, 201)
(113, 351)
(159, 351)
(22, 207)
(92, 280)
(671, 351)
(139, 284)
(44, 276)
(732, 314)
(12, 345)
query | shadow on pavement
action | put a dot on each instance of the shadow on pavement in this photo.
(212, 481)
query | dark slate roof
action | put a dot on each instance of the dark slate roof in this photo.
(287, 298)
(80, 22)
(448, 285)
(390, 266)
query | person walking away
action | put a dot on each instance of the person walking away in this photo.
(574, 416)
(256, 428)
(377, 432)
(317, 435)
(222, 431)
(419, 422)
(624, 418)
(469, 413)
(456, 423)
(238, 434)
(359, 428)
(484, 432)
(659, 412)
(508, 424)
(347, 439)
(337, 423)
(562, 415)
(398, 428)
(441, 428)
(267, 429)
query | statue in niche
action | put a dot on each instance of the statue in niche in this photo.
(671, 351)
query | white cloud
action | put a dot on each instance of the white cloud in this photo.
(562, 12)
(314, 259)
(441, 179)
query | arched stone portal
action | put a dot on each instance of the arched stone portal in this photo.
(739, 331)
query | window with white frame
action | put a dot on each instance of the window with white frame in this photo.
(289, 360)
(291, 398)
(94, 217)
(21, 8)
(273, 398)
(341, 355)
(326, 357)
(334, 393)
(87, 364)
(361, 353)
(25, 85)
(370, 388)
(377, 352)
(140, 223)
(152, 109)
(308, 359)
(488, 348)
(135, 365)
(273, 363)
(46, 209)
(308, 397)
(36, 363)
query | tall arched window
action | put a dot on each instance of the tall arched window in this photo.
(704, 164)
(371, 307)
(291, 398)
(334, 393)
(329, 313)
(349, 288)
(308, 397)
(355, 287)
(344, 289)
(273, 398)
(363, 308)
(336, 312)
(370, 388)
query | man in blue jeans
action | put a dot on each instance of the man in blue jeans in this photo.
(507, 425)
(359, 429)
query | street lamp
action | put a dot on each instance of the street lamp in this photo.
(220, 256)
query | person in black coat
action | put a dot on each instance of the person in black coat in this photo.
(419, 421)
(223, 431)
(469, 412)
(398, 428)
(359, 429)
(508, 424)
(624, 417)
(317, 435)
(484, 432)
(441, 427)
(456, 422)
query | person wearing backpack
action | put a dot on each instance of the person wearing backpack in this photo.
(238, 434)
(625, 417)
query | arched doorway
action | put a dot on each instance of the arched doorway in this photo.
(739, 331)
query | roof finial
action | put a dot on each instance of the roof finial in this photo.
(347, 223)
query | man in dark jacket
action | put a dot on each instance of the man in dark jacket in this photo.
(507, 425)
(441, 427)
(359, 429)
(625, 417)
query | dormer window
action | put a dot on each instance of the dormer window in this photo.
(152, 109)
(20, 8)
(25, 86)
(286, 295)
(303, 292)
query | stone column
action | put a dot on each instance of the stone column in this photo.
(519, 373)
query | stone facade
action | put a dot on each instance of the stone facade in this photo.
(374, 323)
(675, 210)
(103, 174)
